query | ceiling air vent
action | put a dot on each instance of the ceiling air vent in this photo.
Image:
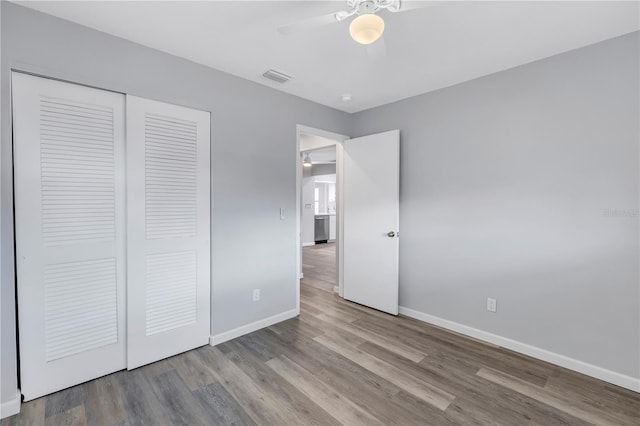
(277, 76)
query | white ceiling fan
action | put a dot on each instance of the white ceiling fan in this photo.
(367, 27)
(307, 161)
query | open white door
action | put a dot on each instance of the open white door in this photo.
(168, 226)
(371, 171)
(69, 200)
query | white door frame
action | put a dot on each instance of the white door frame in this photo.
(339, 139)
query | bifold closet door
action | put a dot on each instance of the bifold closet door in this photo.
(168, 228)
(70, 223)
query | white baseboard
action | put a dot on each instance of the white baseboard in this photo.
(250, 328)
(12, 407)
(308, 244)
(618, 379)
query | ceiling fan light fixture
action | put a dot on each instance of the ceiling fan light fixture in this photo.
(367, 28)
(307, 161)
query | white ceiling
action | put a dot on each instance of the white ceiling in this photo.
(309, 142)
(426, 49)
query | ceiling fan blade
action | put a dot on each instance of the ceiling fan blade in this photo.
(404, 5)
(377, 49)
(307, 24)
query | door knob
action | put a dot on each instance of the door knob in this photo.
(391, 234)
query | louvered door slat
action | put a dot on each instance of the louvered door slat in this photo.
(69, 171)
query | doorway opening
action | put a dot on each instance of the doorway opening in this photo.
(318, 219)
(319, 157)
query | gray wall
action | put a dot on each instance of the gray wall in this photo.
(505, 185)
(253, 158)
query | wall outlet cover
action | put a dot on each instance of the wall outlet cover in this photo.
(492, 305)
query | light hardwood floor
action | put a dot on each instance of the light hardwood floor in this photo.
(340, 363)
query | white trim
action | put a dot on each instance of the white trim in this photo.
(298, 216)
(340, 215)
(11, 407)
(308, 244)
(250, 328)
(618, 379)
(336, 289)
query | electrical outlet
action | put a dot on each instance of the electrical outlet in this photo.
(492, 305)
(256, 294)
(282, 215)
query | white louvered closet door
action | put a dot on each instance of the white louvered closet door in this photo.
(70, 223)
(168, 227)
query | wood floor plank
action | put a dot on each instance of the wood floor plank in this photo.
(103, 402)
(317, 357)
(421, 412)
(72, 417)
(258, 343)
(309, 308)
(308, 293)
(180, 405)
(331, 328)
(296, 404)
(339, 406)
(478, 398)
(594, 392)
(221, 408)
(370, 392)
(156, 368)
(262, 408)
(306, 328)
(442, 377)
(581, 411)
(428, 339)
(31, 413)
(434, 396)
(464, 411)
(189, 367)
(139, 399)
(508, 408)
(64, 400)
(395, 346)
(338, 312)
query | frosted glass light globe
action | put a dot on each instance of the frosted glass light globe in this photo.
(367, 28)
